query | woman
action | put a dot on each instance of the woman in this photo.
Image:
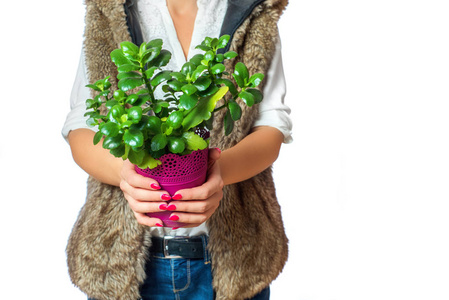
(115, 250)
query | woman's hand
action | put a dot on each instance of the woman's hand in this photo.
(196, 205)
(144, 195)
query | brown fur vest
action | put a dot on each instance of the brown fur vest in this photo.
(107, 248)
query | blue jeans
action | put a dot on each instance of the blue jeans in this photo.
(182, 279)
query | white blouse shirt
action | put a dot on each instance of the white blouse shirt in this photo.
(156, 22)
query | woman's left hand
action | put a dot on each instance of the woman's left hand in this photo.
(196, 205)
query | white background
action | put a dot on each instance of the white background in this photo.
(363, 188)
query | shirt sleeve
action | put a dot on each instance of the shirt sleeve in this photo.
(80, 93)
(272, 110)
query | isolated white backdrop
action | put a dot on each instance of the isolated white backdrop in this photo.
(363, 188)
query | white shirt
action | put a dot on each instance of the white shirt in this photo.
(156, 22)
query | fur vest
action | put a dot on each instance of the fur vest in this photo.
(107, 248)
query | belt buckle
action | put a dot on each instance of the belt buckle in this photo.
(166, 240)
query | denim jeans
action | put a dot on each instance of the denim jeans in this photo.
(182, 279)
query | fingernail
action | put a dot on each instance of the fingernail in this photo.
(165, 197)
(159, 225)
(163, 207)
(174, 218)
(155, 186)
(171, 207)
(174, 228)
(218, 149)
(177, 197)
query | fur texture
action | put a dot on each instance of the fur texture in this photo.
(107, 248)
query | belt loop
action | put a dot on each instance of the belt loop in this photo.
(205, 241)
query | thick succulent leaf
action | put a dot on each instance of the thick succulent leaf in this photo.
(203, 110)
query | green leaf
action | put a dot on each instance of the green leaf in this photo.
(109, 129)
(258, 96)
(194, 142)
(196, 59)
(202, 47)
(209, 55)
(160, 77)
(176, 145)
(150, 72)
(119, 95)
(198, 72)
(129, 47)
(218, 69)
(175, 119)
(149, 162)
(178, 76)
(112, 142)
(127, 84)
(119, 151)
(162, 59)
(188, 68)
(242, 71)
(132, 99)
(154, 43)
(175, 85)
(119, 59)
(150, 54)
(187, 102)
(135, 114)
(256, 79)
(158, 142)
(228, 123)
(189, 89)
(239, 80)
(136, 157)
(97, 137)
(131, 74)
(230, 54)
(203, 110)
(133, 137)
(202, 83)
(154, 125)
(234, 110)
(128, 68)
(223, 41)
(115, 113)
(94, 87)
(219, 58)
(229, 84)
(247, 97)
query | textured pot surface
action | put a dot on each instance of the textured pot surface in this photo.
(177, 172)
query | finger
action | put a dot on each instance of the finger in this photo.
(145, 207)
(143, 219)
(213, 185)
(190, 219)
(130, 175)
(141, 194)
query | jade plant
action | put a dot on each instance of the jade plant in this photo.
(138, 126)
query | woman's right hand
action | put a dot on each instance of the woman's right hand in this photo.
(144, 195)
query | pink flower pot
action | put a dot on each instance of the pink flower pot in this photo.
(175, 173)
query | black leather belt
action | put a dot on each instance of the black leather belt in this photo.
(178, 247)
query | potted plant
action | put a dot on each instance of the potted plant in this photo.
(167, 137)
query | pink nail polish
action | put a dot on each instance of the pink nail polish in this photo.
(174, 228)
(163, 207)
(165, 197)
(173, 218)
(155, 186)
(218, 149)
(159, 225)
(177, 197)
(171, 207)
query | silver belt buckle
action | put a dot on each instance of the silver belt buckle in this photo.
(166, 239)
